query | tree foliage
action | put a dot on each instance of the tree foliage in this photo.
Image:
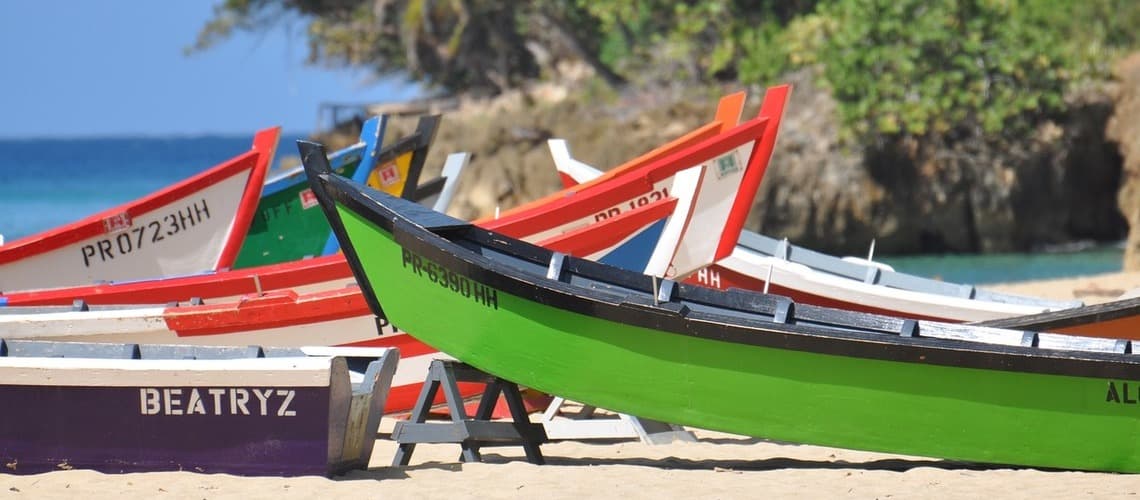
(897, 67)
(468, 45)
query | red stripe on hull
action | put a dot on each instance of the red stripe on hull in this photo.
(265, 144)
(402, 398)
(772, 108)
(223, 284)
(1122, 328)
(727, 278)
(599, 236)
(408, 345)
(272, 310)
(586, 202)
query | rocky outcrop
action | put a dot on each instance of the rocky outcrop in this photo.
(1124, 130)
(507, 136)
(969, 194)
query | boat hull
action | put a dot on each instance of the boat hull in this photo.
(261, 416)
(740, 378)
(287, 226)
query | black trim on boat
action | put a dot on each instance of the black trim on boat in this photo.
(424, 135)
(520, 269)
(317, 170)
(429, 189)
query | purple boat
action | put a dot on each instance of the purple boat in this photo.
(119, 408)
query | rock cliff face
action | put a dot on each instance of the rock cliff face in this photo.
(969, 195)
(1124, 130)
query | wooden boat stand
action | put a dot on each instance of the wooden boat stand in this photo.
(470, 433)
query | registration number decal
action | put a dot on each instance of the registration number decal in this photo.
(144, 234)
(451, 280)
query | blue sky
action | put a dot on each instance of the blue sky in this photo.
(116, 68)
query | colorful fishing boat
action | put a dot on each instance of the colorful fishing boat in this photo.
(120, 408)
(763, 263)
(542, 221)
(737, 361)
(302, 276)
(195, 225)
(695, 205)
(338, 316)
(286, 228)
(740, 153)
(760, 262)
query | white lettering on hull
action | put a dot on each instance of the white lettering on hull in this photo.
(218, 401)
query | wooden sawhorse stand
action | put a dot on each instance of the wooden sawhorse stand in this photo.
(470, 434)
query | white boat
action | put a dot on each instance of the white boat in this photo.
(192, 226)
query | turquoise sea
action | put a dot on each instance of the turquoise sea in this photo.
(48, 182)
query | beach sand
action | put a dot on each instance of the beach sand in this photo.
(717, 466)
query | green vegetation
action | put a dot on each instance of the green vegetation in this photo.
(917, 68)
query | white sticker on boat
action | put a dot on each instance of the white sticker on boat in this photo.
(727, 165)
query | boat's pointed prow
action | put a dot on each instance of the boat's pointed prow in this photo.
(313, 158)
(773, 108)
(265, 145)
(319, 174)
(426, 129)
(452, 167)
(572, 172)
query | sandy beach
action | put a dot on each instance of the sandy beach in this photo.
(716, 466)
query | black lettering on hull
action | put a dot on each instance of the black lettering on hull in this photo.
(450, 280)
(127, 242)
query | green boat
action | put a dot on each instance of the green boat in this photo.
(286, 228)
(735, 361)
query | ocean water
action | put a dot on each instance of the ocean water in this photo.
(48, 182)
(1002, 268)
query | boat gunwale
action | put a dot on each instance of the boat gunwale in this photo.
(413, 230)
